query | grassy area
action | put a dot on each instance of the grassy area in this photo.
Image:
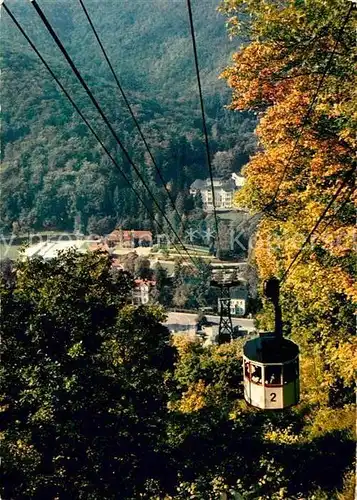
(198, 249)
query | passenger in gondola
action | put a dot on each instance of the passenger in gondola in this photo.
(256, 375)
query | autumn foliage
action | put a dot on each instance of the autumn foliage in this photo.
(297, 73)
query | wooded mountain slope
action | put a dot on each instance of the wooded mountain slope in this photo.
(54, 173)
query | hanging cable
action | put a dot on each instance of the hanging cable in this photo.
(193, 37)
(318, 222)
(34, 48)
(116, 78)
(104, 117)
(339, 208)
(333, 216)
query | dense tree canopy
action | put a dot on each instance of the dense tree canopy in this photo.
(96, 403)
(222, 445)
(82, 382)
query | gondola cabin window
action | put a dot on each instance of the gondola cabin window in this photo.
(253, 373)
(291, 372)
(272, 376)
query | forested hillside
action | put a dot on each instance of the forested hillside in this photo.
(54, 173)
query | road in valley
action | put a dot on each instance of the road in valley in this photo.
(187, 321)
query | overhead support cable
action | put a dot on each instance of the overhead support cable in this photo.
(318, 222)
(125, 177)
(338, 209)
(107, 122)
(204, 125)
(124, 96)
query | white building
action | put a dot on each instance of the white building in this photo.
(142, 291)
(239, 180)
(238, 301)
(224, 191)
(50, 249)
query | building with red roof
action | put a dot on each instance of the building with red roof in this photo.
(129, 238)
(101, 246)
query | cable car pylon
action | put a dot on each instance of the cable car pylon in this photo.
(225, 329)
(225, 282)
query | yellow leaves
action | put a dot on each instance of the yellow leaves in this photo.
(312, 378)
(183, 343)
(70, 382)
(339, 241)
(239, 408)
(194, 398)
(76, 350)
(349, 486)
(282, 436)
(314, 284)
(21, 449)
(205, 375)
(21, 445)
(252, 60)
(44, 414)
(270, 75)
(343, 358)
(332, 419)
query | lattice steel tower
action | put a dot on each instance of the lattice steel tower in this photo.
(225, 280)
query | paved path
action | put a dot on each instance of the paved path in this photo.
(187, 321)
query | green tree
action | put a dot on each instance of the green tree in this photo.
(129, 261)
(163, 285)
(181, 295)
(224, 163)
(82, 383)
(222, 445)
(53, 167)
(99, 225)
(142, 268)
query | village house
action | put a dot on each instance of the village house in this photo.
(238, 304)
(224, 191)
(143, 291)
(100, 246)
(129, 238)
(239, 180)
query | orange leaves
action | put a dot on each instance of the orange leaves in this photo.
(279, 74)
(251, 77)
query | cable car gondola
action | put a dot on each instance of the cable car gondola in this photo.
(271, 364)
